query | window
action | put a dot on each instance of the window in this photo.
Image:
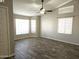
(22, 26)
(1, 0)
(25, 26)
(33, 26)
(68, 9)
(65, 25)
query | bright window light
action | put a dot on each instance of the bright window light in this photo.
(33, 26)
(65, 25)
(1, 0)
(22, 26)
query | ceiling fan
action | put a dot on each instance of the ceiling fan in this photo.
(42, 10)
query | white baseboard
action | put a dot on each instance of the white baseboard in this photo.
(5, 56)
(26, 38)
(62, 41)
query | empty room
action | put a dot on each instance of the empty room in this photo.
(39, 29)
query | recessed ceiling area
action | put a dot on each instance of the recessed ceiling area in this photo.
(32, 7)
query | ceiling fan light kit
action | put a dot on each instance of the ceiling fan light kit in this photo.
(42, 10)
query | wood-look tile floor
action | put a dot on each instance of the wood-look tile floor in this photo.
(40, 48)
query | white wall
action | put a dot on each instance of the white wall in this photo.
(49, 25)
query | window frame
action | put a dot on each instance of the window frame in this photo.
(30, 29)
(15, 26)
(65, 26)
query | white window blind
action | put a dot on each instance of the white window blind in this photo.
(65, 25)
(22, 26)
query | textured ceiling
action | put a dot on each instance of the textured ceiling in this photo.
(32, 7)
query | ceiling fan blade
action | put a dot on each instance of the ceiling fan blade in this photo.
(42, 0)
(49, 10)
(41, 9)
